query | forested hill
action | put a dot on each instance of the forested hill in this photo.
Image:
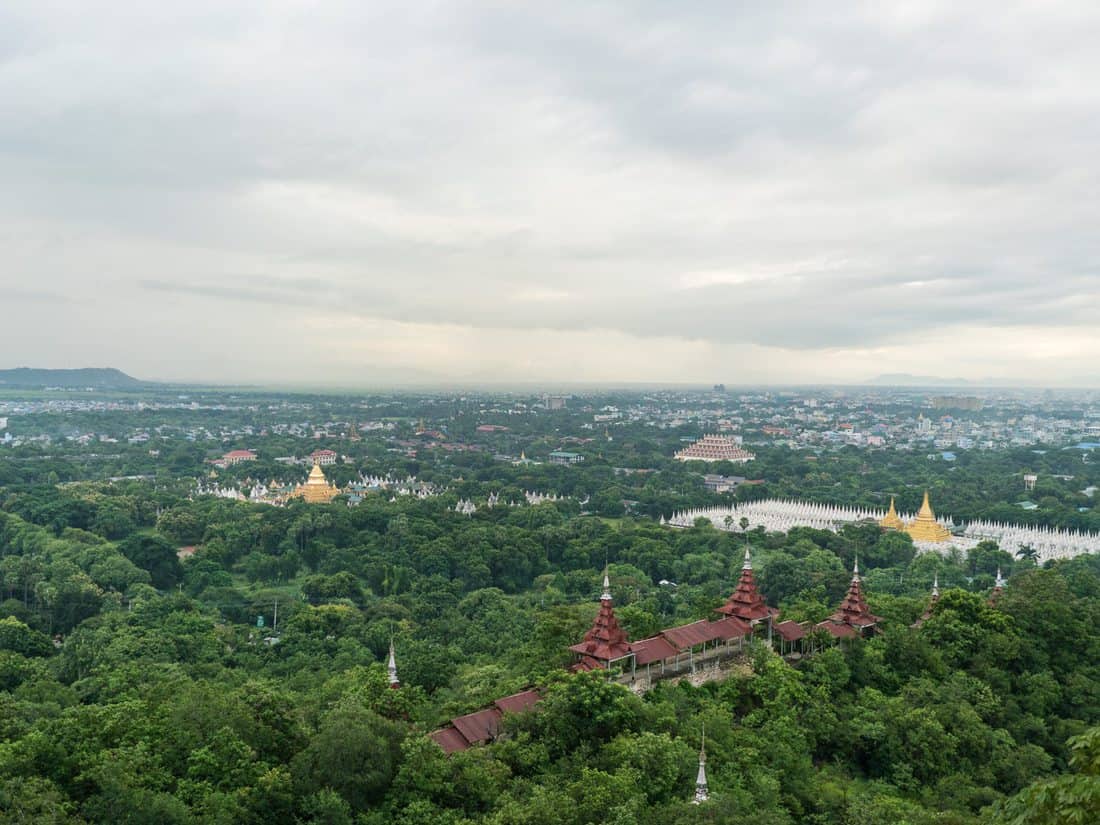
(100, 378)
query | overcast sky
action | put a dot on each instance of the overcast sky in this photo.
(366, 192)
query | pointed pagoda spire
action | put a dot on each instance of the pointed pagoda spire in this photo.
(746, 602)
(927, 614)
(702, 793)
(605, 641)
(925, 527)
(853, 611)
(998, 588)
(892, 521)
(391, 666)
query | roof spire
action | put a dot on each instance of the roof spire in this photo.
(747, 564)
(936, 586)
(855, 570)
(1000, 579)
(391, 666)
(606, 595)
(702, 793)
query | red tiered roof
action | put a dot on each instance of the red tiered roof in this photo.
(853, 611)
(746, 603)
(605, 641)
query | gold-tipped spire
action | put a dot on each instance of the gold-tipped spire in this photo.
(925, 527)
(892, 521)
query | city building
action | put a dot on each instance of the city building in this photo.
(323, 457)
(236, 457)
(563, 457)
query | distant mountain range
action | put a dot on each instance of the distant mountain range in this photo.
(106, 378)
(904, 379)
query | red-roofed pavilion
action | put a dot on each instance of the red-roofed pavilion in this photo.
(853, 611)
(605, 643)
(746, 602)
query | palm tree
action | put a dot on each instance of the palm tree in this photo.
(1028, 552)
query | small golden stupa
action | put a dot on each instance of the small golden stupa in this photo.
(925, 527)
(317, 489)
(892, 521)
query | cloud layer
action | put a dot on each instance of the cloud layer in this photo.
(384, 192)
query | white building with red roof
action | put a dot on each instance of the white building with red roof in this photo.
(236, 457)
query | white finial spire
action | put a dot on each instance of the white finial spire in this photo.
(855, 570)
(936, 585)
(1000, 579)
(747, 565)
(391, 666)
(606, 595)
(702, 793)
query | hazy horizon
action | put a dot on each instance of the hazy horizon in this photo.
(600, 194)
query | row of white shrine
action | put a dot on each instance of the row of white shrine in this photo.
(781, 515)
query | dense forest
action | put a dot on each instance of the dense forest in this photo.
(139, 687)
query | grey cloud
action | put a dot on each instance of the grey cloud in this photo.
(452, 164)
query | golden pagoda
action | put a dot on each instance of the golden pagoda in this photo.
(317, 489)
(892, 521)
(925, 527)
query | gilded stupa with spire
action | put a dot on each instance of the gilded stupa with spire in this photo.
(892, 521)
(925, 527)
(317, 489)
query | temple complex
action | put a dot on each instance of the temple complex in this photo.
(694, 651)
(853, 617)
(925, 528)
(715, 448)
(317, 489)
(930, 534)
